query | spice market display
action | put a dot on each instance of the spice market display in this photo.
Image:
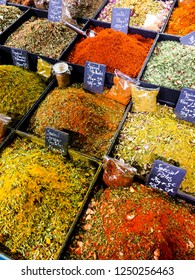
(91, 119)
(40, 195)
(8, 15)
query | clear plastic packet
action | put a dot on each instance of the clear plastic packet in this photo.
(71, 9)
(44, 69)
(117, 173)
(41, 4)
(153, 22)
(4, 122)
(121, 90)
(144, 99)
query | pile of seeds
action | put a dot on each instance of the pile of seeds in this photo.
(8, 15)
(40, 195)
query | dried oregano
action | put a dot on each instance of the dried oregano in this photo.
(8, 15)
(40, 195)
(146, 137)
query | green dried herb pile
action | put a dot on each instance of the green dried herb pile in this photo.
(8, 15)
(41, 36)
(134, 223)
(91, 119)
(40, 195)
(171, 65)
(146, 137)
(20, 88)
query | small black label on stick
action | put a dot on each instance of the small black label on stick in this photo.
(185, 107)
(56, 139)
(55, 10)
(166, 177)
(188, 39)
(120, 19)
(94, 76)
(20, 58)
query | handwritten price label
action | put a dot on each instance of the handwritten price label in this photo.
(55, 10)
(188, 39)
(120, 19)
(56, 139)
(94, 76)
(20, 58)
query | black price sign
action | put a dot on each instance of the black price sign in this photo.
(166, 177)
(185, 107)
(20, 58)
(188, 39)
(2, 2)
(120, 19)
(94, 76)
(55, 10)
(56, 139)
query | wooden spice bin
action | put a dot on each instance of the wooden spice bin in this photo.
(43, 200)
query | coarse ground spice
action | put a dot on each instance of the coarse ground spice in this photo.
(90, 119)
(41, 36)
(182, 20)
(115, 49)
(8, 15)
(23, 2)
(40, 195)
(134, 223)
(146, 137)
(171, 65)
(20, 88)
(139, 10)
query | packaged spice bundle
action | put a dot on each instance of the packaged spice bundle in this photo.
(8, 15)
(182, 20)
(110, 47)
(90, 119)
(20, 88)
(41, 36)
(148, 14)
(4, 123)
(171, 65)
(146, 137)
(134, 223)
(41, 193)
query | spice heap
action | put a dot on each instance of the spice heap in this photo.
(182, 20)
(171, 65)
(156, 11)
(146, 137)
(115, 49)
(134, 223)
(23, 2)
(39, 35)
(91, 119)
(20, 88)
(41, 193)
(8, 15)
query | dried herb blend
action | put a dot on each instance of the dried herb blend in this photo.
(91, 119)
(134, 223)
(8, 15)
(41, 193)
(171, 65)
(139, 11)
(23, 2)
(41, 36)
(182, 20)
(115, 49)
(20, 88)
(146, 137)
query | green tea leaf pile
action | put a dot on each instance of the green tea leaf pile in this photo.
(8, 15)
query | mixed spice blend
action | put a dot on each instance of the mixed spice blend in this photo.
(8, 15)
(40, 195)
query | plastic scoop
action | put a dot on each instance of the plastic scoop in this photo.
(87, 33)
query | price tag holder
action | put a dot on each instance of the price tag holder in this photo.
(185, 107)
(120, 19)
(56, 139)
(3, 2)
(20, 58)
(188, 39)
(166, 177)
(55, 10)
(94, 76)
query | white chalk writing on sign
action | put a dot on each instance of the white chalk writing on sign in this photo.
(56, 139)
(120, 19)
(188, 39)
(20, 58)
(3, 2)
(94, 76)
(55, 10)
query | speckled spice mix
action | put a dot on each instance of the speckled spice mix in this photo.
(91, 119)
(8, 15)
(20, 88)
(134, 223)
(41, 36)
(146, 137)
(40, 195)
(171, 65)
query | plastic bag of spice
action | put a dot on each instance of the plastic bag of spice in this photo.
(42, 4)
(117, 173)
(121, 90)
(4, 122)
(71, 9)
(44, 69)
(144, 99)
